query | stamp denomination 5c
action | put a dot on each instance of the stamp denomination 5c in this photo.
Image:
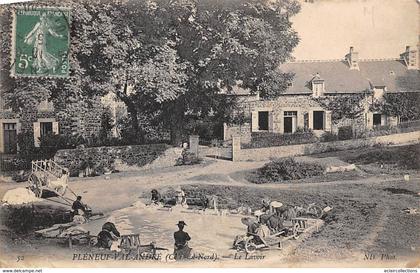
(40, 42)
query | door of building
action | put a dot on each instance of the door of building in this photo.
(10, 138)
(318, 120)
(288, 125)
(377, 120)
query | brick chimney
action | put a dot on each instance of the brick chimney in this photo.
(352, 59)
(410, 58)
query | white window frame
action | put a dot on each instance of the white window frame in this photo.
(37, 128)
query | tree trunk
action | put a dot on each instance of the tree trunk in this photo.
(175, 119)
(137, 131)
(176, 136)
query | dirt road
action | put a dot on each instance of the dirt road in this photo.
(366, 218)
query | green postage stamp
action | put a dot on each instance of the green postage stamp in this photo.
(41, 42)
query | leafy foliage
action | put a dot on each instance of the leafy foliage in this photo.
(328, 136)
(343, 106)
(282, 169)
(345, 132)
(403, 105)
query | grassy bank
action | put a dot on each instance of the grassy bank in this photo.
(402, 157)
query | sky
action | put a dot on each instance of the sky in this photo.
(376, 28)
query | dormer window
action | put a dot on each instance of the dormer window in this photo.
(378, 92)
(318, 86)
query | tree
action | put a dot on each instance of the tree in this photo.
(168, 59)
(133, 58)
(225, 44)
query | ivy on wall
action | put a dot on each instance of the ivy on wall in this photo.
(403, 105)
(342, 106)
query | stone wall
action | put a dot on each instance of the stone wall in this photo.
(82, 117)
(134, 155)
(216, 152)
(262, 154)
(235, 130)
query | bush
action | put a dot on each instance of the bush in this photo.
(383, 131)
(22, 219)
(15, 164)
(27, 149)
(345, 132)
(329, 136)
(282, 169)
(50, 144)
(267, 139)
(206, 129)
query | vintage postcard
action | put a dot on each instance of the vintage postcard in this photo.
(204, 133)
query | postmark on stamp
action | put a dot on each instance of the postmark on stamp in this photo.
(41, 41)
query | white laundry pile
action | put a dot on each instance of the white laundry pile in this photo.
(76, 230)
(139, 204)
(20, 196)
(57, 183)
(79, 219)
(335, 169)
(116, 245)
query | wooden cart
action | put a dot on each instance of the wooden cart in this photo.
(130, 244)
(81, 239)
(47, 175)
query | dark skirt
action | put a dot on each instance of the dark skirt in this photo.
(182, 252)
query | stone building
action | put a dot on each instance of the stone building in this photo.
(299, 107)
(82, 118)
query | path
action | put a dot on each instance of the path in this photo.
(123, 189)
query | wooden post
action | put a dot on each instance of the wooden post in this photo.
(70, 242)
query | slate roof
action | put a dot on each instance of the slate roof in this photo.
(339, 79)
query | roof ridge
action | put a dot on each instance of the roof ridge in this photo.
(343, 60)
(316, 61)
(380, 59)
